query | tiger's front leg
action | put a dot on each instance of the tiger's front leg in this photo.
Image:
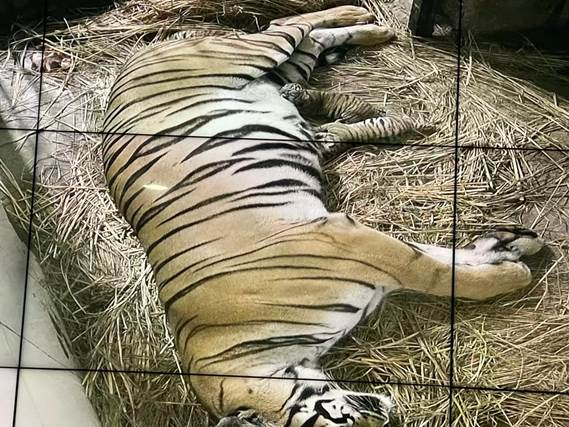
(367, 131)
(335, 138)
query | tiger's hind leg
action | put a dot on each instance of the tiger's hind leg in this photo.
(306, 56)
(339, 16)
(502, 244)
(261, 52)
(490, 267)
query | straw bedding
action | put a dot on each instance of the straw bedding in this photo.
(105, 300)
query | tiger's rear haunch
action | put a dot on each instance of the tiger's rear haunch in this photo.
(218, 176)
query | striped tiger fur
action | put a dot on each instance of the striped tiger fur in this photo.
(219, 177)
(336, 106)
(200, 34)
(356, 120)
(366, 131)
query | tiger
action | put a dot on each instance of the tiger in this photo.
(220, 179)
(355, 120)
(334, 105)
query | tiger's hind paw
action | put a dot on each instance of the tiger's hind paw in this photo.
(507, 244)
(371, 35)
(340, 16)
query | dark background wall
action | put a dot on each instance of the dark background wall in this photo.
(31, 12)
(489, 16)
(545, 21)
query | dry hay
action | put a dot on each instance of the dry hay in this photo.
(104, 293)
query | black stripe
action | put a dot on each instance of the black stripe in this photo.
(180, 328)
(177, 90)
(212, 168)
(274, 193)
(193, 124)
(207, 169)
(303, 27)
(342, 308)
(154, 82)
(275, 33)
(126, 163)
(210, 100)
(250, 252)
(280, 183)
(292, 393)
(130, 200)
(172, 257)
(293, 411)
(189, 288)
(158, 108)
(269, 146)
(134, 64)
(127, 125)
(311, 422)
(108, 161)
(275, 77)
(110, 140)
(306, 53)
(277, 163)
(287, 256)
(140, 171)
(187, 268)
(332, 278)
(256, 346)
(199, 205)
(228, 258)
(251, 128)
(161, 72)
(208, 145)
(134, 214)
(253, 59)
(299, 69)
(156, 209)
(220, 397)
(269, 44)
(216, 215)
(214, 199)
(247, 323)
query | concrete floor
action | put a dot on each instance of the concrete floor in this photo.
(46, 397)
